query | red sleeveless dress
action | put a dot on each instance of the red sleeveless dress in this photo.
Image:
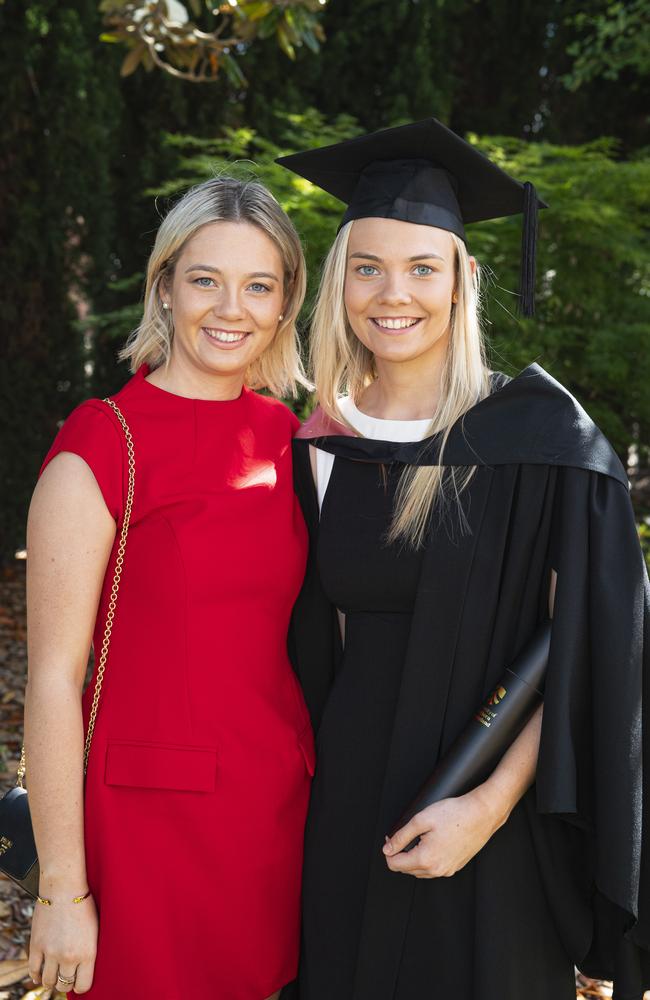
(200, 766)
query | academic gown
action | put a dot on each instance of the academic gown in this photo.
(548, 493)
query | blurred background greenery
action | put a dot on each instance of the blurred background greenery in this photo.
(109, 109)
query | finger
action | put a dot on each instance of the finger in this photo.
(35, 963)
(84, 979)
(405, 835)
(50, 971)
(408, 862)
(64, 976)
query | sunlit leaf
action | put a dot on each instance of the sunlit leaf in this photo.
(132, 60)
(257, 10)
(285, 43)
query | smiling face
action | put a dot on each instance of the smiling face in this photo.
(399, 284)
(226, 296)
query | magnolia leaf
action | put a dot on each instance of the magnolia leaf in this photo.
(232, 70)
(285, 42)
(132, 60)
(310, 40)
(257, 10)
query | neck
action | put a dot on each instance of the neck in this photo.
(185, 379)
(407, 390)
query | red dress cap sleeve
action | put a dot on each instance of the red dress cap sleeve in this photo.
(91, 433)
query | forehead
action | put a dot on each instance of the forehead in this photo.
(220, 243)
(394, 238)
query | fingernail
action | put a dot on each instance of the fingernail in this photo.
(388, 847)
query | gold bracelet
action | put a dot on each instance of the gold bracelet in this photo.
(48, 902)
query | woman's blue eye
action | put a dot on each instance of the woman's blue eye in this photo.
(200, 282)
(423, 270)
(259, 287)
(367, 270)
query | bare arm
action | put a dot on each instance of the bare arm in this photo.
(454, 830)
(70, 533)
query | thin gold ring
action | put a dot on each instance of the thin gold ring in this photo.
(65, 980)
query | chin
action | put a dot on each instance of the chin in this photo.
(402, 352)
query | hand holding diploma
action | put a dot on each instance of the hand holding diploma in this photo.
(453, 830)
(450, 833)
(458, 809)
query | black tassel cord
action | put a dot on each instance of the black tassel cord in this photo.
(528, 252)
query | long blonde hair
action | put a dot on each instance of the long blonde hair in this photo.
(342, 365)
(224, 199)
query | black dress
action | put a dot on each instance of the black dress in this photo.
(375, 585)
(566, 880)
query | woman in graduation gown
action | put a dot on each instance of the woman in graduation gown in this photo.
(450, 508)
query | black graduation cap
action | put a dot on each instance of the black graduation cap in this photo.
(423, 173)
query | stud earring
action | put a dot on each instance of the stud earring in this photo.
(166, 305)
(281, 317)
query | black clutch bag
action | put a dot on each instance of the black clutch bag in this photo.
(491, 730)
(18, 856)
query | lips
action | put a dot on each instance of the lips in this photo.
(225, 338)
(395, 323)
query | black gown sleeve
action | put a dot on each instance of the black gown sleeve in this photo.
(314, 640)
(593, 759)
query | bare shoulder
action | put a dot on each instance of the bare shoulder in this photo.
(67, 497)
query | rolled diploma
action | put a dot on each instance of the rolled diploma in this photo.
(492, 729)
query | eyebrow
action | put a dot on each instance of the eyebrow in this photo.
(216, 270)
(418, 256)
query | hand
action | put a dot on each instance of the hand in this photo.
(451, 833)
(64, 942)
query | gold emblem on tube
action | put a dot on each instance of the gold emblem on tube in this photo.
(486, 714)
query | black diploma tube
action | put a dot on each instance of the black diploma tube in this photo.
(491, 730)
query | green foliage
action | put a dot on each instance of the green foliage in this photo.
(55, 227)
(610, 41)
(644, 538)
(80, 146)
(591, 329)
(496, 68)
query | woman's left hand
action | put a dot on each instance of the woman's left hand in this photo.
(451, 832)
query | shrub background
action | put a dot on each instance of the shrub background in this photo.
(556, 92)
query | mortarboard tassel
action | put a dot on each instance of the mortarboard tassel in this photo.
(528, 252)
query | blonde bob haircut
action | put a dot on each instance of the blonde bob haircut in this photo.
(342, 365)
(224, 199)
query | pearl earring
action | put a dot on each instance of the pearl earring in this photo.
(281, 316)
(166, 305)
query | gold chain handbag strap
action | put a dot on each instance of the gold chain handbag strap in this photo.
(110, 614)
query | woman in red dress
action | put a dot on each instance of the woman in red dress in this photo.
(188, 834)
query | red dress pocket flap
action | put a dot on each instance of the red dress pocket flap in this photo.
(306, 743)
(161, 765)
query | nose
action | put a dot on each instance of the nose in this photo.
(229, 306)
(393, 291)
